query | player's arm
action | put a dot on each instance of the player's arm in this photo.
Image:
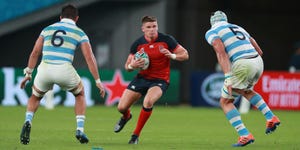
(92, 65)
(256, 46)
(224, 62)
(34, 56)
(132, 64)
(181, 53)
(36, 52)
(221, 55)
(128, 65)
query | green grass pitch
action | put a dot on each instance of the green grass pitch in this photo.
(169, 128)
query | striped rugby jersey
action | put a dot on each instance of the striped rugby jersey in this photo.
(235, 39)
(61, 40)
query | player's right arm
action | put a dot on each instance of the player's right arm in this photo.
(221, 55)
(132, 64)
(34, 56)
(224, 62)
(92, 65)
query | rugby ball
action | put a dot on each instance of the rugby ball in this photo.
(142, 54)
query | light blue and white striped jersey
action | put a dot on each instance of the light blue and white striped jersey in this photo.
(61, 40)
(235, 38)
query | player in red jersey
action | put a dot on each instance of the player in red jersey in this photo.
(152, 82)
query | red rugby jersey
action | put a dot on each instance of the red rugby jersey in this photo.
(159, 67)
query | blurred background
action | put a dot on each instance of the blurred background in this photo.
(112, 26)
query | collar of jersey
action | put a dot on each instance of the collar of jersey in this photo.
(219, 23)
(67, 20)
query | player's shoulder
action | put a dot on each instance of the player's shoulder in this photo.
(140, 40)
(162, 37)
(210, 32)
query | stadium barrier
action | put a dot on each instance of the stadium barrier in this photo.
(115, 82)
(280, 90)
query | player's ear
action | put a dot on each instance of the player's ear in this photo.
(142, 28)
(76, 18)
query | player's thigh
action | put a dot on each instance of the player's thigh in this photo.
(242, 72)
(128, 98)
(258, 68)
(42, 81)
(67, 77)
(153, 95)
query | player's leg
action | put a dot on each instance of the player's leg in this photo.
(68, 79)
(257, 101)
(234, 117)
(153, 95)
(32, 106)
(127, 99)
(254, 69)
(80, 108)
(33, 103)
(39, 88)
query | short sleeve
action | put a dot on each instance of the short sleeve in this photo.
(210, 36)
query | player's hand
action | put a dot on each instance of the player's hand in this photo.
(137, 63)
(23, 83)
(28, 75)
(229, 90)
(167, 53)
(101, 89)
(228, 83)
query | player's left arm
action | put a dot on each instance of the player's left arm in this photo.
(36, 52)
(256, 46)
(34, 56)
(181, 53)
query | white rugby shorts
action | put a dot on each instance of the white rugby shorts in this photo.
(63, 75)
(245, 74)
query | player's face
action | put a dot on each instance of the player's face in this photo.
(150, 29)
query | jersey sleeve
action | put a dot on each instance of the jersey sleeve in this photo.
(134, 46)
(172, 43)
(84, 37)
(43, 32)
(210, 36)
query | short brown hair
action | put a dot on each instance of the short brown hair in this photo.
(69, 11)
(148, 19)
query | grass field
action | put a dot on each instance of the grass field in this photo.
(169, 128)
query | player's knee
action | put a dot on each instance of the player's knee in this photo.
(224, 102)
(38, 93)
(121, 109)
(78, 90)
(148, 104)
